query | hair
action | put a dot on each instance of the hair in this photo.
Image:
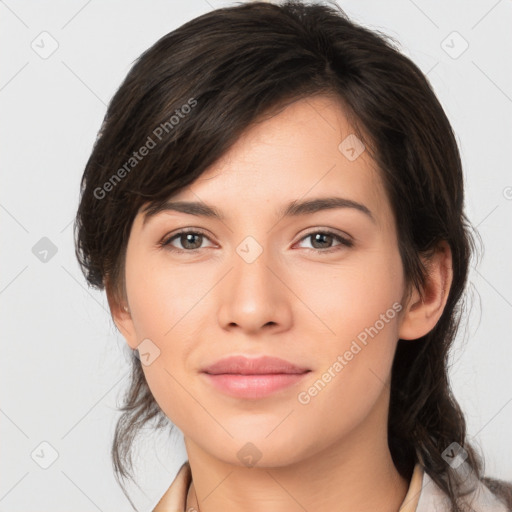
(189, 98)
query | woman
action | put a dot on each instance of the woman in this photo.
(274, 207)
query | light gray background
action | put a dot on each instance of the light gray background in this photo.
(63, 365)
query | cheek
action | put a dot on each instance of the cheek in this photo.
(168, 389)
(170, 312)
(353, 378)
(361, 306)
(163, 295)
(350, 297)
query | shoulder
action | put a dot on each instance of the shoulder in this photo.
(501, 489)
(485, 495)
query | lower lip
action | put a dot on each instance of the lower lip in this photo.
(253, 386)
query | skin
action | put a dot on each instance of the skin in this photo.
(301, 300)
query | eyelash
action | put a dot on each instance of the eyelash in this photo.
(343, 242)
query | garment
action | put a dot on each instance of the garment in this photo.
(423, 495)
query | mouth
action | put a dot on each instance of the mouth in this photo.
(253, 378)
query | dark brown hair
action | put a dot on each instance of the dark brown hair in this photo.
(232, 67)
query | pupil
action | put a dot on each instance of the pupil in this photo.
(319, 236)
(189, 238)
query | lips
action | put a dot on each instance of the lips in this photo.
(264, 365)
(253, 378)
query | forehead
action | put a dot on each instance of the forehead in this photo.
(308, 149)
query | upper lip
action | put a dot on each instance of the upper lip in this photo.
(253, 366)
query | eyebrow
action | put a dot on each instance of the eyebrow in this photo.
(292, 209)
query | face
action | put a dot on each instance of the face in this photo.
(320, 287)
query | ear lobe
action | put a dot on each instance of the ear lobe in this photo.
(122, 318)
(424, 310)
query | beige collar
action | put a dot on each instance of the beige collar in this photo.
(423, 495)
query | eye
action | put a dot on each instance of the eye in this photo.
(190, 241)
(321, 240)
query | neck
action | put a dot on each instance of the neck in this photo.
(278, 491)
(356, 474)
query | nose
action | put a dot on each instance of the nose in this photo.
(253, 298)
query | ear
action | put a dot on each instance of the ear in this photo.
(121, 316)
(423, 312)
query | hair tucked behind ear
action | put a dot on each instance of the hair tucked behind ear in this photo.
(242, 63)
